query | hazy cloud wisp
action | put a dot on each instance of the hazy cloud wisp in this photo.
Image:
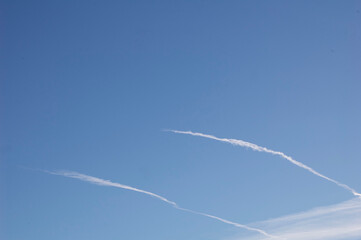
(335, 222)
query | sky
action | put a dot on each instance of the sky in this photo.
(90, 89)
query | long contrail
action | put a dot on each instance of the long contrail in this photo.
(102, 182)
(263, 149)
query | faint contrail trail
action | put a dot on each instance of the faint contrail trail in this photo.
(263, 149)
(103, 182)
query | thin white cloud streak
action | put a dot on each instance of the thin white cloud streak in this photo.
(102, 182)
(263, 149)
(264, 233)
(335, 222)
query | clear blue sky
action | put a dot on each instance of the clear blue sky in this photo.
(89, 86)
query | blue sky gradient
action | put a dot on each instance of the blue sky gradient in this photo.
(89, 86)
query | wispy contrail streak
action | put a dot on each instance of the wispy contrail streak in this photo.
(231, 223)
(263, 149)
(102, 182)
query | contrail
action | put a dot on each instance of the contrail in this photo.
(263, 149)
(231, 223)
(102, 182)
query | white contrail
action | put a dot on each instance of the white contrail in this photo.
(103, 182)
(231, 223)
(263, 149)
